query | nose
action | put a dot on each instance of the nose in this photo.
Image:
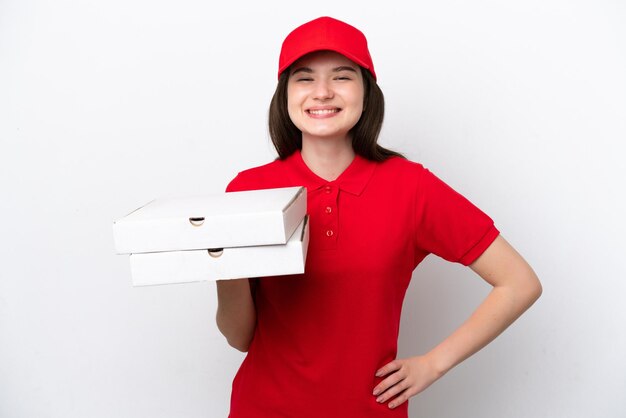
(322, 90)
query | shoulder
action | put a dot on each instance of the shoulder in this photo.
(411, 178)
(401, 169)
(261, 177)
(401, 164)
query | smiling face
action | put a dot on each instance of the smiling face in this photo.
(325, 96)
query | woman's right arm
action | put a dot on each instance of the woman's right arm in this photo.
(236, 313)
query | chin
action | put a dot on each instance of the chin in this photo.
(326, 135)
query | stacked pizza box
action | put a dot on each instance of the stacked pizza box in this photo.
(232, 235)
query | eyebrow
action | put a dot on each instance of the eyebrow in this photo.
(335, 70)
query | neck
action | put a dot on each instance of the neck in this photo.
(327, 159)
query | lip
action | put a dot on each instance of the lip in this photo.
(323, 112)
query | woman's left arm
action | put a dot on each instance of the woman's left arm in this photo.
(515, 288)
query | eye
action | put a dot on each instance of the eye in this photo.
(343, 77)
(304, 79)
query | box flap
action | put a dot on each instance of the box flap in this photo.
(235, 219)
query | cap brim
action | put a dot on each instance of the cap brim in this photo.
(351, 57)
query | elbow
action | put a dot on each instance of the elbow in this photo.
(239, 342)
(242, 346)
(236, 342)
(538, 290)
(235, 338)
(533, 289)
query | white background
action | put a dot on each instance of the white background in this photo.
(520, 106)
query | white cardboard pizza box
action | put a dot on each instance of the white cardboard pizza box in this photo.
(170, 267)
(235, 219)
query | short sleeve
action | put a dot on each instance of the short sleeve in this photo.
(264, 177)
(236, 184)
(448, 224)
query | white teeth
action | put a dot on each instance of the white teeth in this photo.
(323, 111)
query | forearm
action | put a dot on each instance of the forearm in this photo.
(500, 308)
(515, 288)
(236, 313)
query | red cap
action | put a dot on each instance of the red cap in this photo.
(325, 33)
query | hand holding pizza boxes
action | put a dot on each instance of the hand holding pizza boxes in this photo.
(222, 236)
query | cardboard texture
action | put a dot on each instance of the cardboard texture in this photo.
(230, 263)
(226, 220)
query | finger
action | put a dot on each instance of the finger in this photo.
(398, 375)
(401, 398)
(388, 382)
(388, 368)
(400, 385)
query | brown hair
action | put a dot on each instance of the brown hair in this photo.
(287, 138)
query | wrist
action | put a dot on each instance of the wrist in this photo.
(438, 362)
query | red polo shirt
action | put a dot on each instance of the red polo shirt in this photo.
(321, 336)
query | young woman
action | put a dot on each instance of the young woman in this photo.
(324, 344)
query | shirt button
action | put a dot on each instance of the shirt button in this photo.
(327, 189)
(329, 209)
(329, 233)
